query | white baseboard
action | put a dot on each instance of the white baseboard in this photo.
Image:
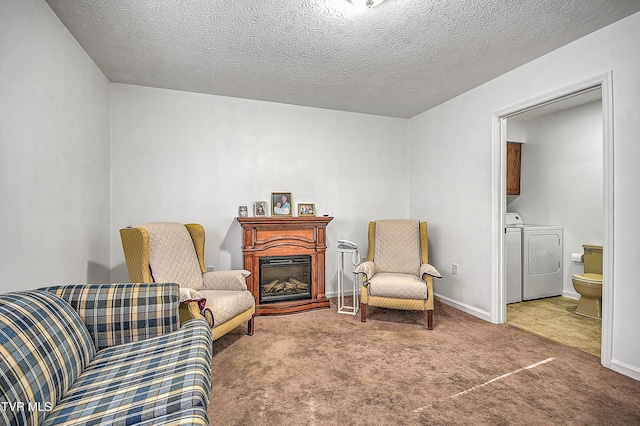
(332, 294)
(626, 369)
(465, 308)
(571, 294)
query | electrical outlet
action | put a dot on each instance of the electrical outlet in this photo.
(210, 268)
(454, 268)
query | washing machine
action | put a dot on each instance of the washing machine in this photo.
(541, 254)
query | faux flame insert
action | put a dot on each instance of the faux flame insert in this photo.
(285, 278)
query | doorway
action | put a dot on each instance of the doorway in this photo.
(559, 100)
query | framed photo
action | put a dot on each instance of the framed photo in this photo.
(281, 204)
(260, 208)
(306, 209)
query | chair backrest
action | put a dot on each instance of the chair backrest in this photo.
(135, 243)
(171, 253)
(397, 246)
(172, 256)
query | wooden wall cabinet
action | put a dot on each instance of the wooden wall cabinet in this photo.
(514, 154)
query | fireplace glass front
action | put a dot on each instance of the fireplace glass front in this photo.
(285, 278)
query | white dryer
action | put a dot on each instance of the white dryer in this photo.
(541, 259)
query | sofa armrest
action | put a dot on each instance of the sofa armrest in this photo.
(225, 280)
(123, 313)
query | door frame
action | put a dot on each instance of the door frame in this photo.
(499, 200)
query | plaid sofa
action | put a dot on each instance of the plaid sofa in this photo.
(102, 354)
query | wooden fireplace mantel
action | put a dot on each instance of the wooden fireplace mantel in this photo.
(286, 236)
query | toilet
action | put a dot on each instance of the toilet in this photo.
(589, 283)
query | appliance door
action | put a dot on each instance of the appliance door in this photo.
(513, 259)
(542, 263)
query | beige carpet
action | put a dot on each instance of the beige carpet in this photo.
(321, 367)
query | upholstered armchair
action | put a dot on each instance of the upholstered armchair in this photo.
(174, 252)
(397, 274)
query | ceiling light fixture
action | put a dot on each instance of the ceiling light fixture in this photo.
(366, 3)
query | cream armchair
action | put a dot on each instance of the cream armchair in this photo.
(173, 252)
(397, 274)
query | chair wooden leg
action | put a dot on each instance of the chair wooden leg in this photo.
(363, 312)
(430, 319)
(250, 326)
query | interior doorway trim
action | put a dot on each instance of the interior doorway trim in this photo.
(499, 201)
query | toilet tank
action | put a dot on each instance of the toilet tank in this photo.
(592, 259)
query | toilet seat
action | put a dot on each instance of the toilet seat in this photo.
(589, 278)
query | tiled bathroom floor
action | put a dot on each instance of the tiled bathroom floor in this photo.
(555, 318)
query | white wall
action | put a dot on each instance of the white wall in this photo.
(515, 131)
(179, 156)
(451, 173)
(562, 180)
(450, 188)
(54, 145)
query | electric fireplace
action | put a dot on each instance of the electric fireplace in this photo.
(285, 278)
(286, 258)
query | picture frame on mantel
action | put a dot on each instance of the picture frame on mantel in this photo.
(306, 209)
(260, 209)
(281, 203)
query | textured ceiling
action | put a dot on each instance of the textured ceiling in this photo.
(398, 59)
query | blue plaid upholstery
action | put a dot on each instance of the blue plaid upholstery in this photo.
(44, 346)
(194, 417)
(138, 381)
(150, 371)
(123, 313)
